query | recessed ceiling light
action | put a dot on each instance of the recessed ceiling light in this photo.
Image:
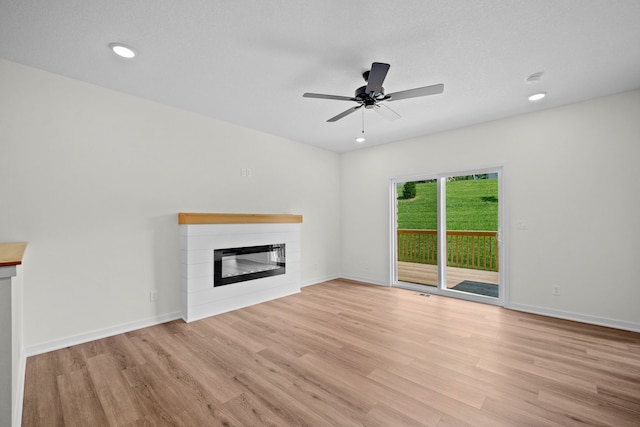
(360, 139)
(122, 50)
(537, 96)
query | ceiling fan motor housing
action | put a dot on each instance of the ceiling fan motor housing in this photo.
(367, 100)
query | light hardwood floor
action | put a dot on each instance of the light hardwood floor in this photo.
(345, 354)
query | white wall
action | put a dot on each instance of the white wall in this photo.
(571, 172)
(93, 180)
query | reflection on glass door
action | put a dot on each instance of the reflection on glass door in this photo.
(447, 233)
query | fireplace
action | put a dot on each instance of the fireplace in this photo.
(245, 251)
(233, 265)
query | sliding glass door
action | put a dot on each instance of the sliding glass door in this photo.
(446, 234)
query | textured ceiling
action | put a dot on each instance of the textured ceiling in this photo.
(248, 62)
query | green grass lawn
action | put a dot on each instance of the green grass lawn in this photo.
(471, 205)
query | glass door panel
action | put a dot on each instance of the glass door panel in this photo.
(472, 234)
(417, 232)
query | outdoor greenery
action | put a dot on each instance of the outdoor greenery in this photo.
(471, 205)
(409, 190)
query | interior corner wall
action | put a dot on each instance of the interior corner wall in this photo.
(571, 172)
(93, 179)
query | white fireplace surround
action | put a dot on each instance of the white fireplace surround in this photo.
(198, 240)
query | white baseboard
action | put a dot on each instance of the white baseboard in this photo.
(593, 320)
(104, 333)
(108, 332)
(364, 280)
(600, 321)
(96, 335)
(319, 280)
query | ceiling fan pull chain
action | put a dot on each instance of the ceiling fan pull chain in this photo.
(363, 121)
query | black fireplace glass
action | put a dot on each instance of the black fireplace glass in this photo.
(233, 265)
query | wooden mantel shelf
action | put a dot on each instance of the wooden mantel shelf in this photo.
(11, 253)
(228, 218)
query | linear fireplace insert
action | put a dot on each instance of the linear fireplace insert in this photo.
(233, 265)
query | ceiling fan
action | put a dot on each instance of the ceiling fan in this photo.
(371, 95)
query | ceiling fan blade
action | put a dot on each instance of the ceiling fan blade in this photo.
(376, 77)
(344, 113)
(335, 97)
(386, 112)
(414, 93)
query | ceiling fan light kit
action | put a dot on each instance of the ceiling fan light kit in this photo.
(372, 94)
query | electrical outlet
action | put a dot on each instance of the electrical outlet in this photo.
(555, 290)
(153, 296)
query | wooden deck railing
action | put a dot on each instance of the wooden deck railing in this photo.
(477, 250)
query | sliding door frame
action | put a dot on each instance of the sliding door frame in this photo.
(441, 288)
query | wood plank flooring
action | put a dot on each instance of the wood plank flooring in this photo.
(345, 354)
